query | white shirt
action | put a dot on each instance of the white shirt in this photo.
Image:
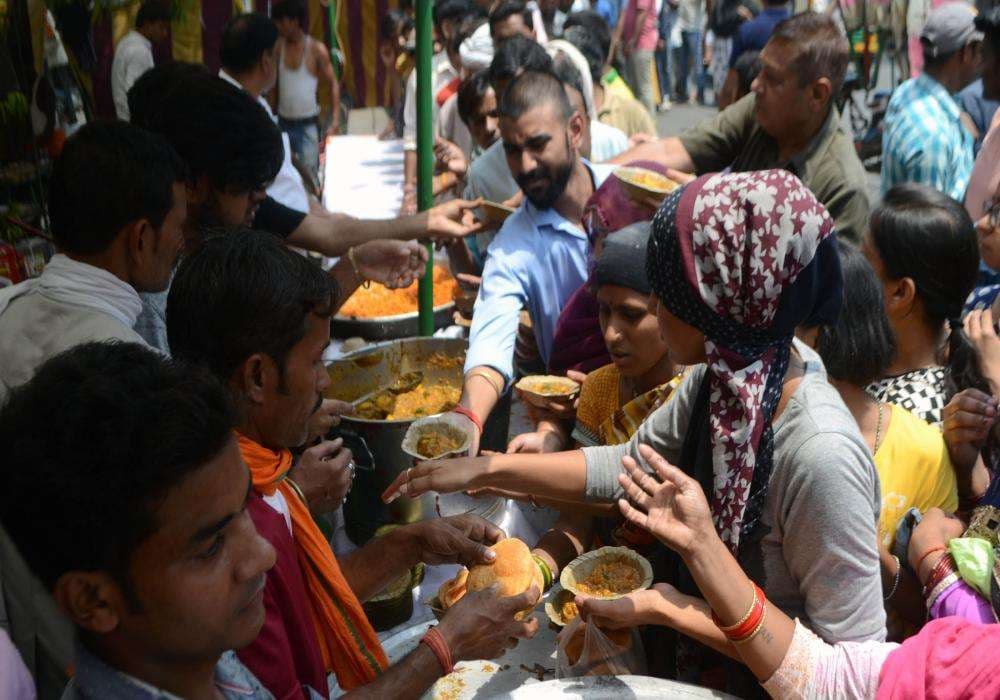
(538, 260)
(442, 73)
(133, 57)
(287, 188)
(606, 141)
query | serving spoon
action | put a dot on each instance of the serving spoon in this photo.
(400, 385)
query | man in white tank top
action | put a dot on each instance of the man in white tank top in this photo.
(302, 62)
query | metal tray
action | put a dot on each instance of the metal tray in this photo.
(389, 327)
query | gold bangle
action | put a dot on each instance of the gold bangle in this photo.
(756, 630)
(753, 604)
(362, 280)
(485, 375)
(296, 489)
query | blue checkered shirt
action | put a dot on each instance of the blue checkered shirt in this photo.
(924, 140)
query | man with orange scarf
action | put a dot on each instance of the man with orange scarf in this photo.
(258, 316)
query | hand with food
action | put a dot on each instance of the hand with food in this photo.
(447, 221)
(462, 539)
(658, 605)
(482, 624)
(327, 416)
(324, 474)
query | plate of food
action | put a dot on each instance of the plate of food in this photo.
(607, 573)
(561, 605)
(539, 389)
(437, 437)
(642, 182)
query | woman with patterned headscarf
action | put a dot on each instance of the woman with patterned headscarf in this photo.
(736, 262)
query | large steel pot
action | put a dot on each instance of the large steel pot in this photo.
(367, 369)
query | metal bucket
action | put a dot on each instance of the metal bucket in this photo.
(365, 370)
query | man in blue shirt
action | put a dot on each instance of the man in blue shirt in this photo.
(924, 139)
(752, 35)
(146, 545)
(539, 257)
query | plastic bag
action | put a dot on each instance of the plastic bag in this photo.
(974, 558)
(587, 650)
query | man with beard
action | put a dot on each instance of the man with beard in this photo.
(539, 257)
(258, 315)
(233, 151)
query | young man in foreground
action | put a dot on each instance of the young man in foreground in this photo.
(146, 544)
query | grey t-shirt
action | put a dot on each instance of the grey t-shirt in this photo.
(819, 559)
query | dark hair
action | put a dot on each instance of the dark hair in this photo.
(508, 8)
(531, 89)
(594, 25)
(989, 24)
(393, 24)
(244, 41)
(567, 72)
(928, 237)
(467, 28)
(589, 47)
(471, 94)
(132, 425)
(152, 11)
(747, 69)
(218, 129)
(289, 9)
(148, 92)
(242, 293)
(110, 174)
(445, 10)
(860, 347)
(821, 49)
(519, 53)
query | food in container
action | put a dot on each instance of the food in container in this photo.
(426, 399)
(607, 573)
(539, 389)
(642, 182)
(495, 213)
(437, 437)
(377, 300)
(561, 606)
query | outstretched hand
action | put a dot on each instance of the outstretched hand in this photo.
(448, 221)
(674, 509)
(442, 476)
(396, 264)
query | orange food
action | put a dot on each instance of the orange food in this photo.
(377, 300)
(612, 577)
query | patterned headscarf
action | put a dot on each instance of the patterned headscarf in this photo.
(744, 258)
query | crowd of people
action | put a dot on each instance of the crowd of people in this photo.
(788, 389)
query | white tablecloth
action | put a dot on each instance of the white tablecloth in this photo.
(363, 177)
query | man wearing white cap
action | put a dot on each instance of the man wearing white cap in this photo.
(924, 140)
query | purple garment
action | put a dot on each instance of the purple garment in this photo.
(960, 600)
(578, 342)
(15, 681)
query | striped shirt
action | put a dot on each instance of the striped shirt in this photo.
(924, 140)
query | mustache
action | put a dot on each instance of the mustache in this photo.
(534, 176)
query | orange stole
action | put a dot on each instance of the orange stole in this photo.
(347, 641)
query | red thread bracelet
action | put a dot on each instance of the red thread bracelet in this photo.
(468, 413)
(927, 554)
(435, 642)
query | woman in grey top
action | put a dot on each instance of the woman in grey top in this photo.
(736, 262)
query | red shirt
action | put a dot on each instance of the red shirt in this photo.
(285, 656)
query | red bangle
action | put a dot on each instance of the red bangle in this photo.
(750, 623)
(925, 555)
(468, 413)
(940, 571)
(435, 642)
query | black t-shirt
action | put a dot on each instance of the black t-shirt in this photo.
(276, 218)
